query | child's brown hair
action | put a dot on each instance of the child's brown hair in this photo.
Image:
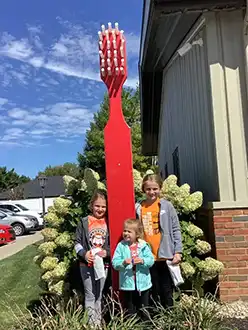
(152, 177)
(139, 230)
(97, 193)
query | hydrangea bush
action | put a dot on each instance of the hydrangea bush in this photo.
(56, 253)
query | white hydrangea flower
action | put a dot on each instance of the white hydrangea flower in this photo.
(187, 269)
(61, 205)
(57, 288)
(149, 172)
(51, 209)
(83, 186)
(48, 276)
(49, 263)
(47, 248)
(193, 202)
(137, 180)
(53, 219)
(64, 240)
(210, 268)
(70, 183)
(194, 231)
(101, 185)
(49, 233)
(171, 180)
(202, 247)
(60, 270)
(91, 179)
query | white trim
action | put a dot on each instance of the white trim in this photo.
(229, 205)
(191, 35)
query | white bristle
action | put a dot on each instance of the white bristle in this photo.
(101, 45)
(102, 62)
(116, 28)
(109, 71)
(122, 42)
(114, 44)
(122, 61)
(108, 44)
(117, 70)
(101, 54)
(103, 29)
(113, 34)
(103, 71)
(121, 34)
(107, 34)
(109, 54)
(109, 26)
(108, 62)
(122, 51)
(115, 53)
(100, 35)
(122, 70)
(115, 61)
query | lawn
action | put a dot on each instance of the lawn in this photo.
(18, 284)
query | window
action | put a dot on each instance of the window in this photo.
(23, 208)
(176, 165)
(10, 207)
(166, 173)
(2, 215)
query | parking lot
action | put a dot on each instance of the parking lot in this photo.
(20, 243)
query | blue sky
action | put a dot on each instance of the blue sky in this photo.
(50, 86)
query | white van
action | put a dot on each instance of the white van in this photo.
(22, 210)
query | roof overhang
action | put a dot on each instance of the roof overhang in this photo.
(165, 25)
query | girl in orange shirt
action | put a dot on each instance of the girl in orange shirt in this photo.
(163, 233)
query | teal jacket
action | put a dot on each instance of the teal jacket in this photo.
(126, 273)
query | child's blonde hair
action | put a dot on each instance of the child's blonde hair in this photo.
(152, 177)
(98, 193)
(138, 227)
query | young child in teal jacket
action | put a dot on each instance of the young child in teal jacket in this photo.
(132, 259)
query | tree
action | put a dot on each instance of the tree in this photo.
(10, 179)
(94, 156)
(71, 169)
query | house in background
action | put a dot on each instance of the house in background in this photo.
(30, 195)
(193, 83)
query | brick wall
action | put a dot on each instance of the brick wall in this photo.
(231, 240)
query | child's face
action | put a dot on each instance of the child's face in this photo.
(99, 208)
(152, 190)
(129, 234)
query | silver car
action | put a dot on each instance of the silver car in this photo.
(20, 224)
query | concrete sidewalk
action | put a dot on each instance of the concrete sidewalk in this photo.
(21, 242)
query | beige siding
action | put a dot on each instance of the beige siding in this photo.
(186, 120)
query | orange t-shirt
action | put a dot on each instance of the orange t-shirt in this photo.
(97, 232)
(150, 220)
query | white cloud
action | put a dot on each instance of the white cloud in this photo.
(73, 54)
(61, 121)
(3, 101)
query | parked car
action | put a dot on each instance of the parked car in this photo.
(7, 234)
(22, 210)
(20, 224)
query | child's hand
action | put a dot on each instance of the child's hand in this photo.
(176, 259)
(137, 261)
(127, 261)
(102, 253)
(89, 257)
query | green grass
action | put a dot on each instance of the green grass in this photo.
(19, 278)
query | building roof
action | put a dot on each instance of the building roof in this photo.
(54, 187)
(165, 25)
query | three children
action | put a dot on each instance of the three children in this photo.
(140, 258)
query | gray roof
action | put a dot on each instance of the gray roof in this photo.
(54, 187)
